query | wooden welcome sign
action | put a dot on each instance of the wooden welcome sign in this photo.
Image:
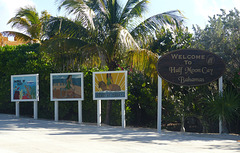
(190, 67)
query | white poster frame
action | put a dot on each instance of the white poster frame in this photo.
(66, 99)
(110, 98)
(37, 87)
(99, 114)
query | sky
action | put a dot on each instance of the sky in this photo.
(195, 11)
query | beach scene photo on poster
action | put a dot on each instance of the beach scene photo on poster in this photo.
(24, 87)
(66, 86)
(110, 85)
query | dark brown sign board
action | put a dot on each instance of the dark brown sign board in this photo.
(190, 67)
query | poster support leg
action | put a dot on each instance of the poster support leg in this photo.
(56, 111)
(17, 109)
(220, 84)
(80, 111)
(159, 115)
(123, 113)
(98, 112)
(35, 110)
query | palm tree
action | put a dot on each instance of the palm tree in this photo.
(223, 107)
(28, 20)
(110, 31)
(108, 26)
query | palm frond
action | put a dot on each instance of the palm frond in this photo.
(133, 9)
(26, 16)
(224, 106)
(45, 16)
(66, 50)
(118, 42)
(125, 40)
(28, 20)
(30, 14)
(66, 27)
(155, 23)
(19, 23)
(144, 61)
(127, 8)
(81, 10)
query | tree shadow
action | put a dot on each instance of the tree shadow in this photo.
(113, 133)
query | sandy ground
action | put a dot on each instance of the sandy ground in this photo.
(26, 135)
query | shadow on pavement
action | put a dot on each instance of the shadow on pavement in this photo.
(142, 135)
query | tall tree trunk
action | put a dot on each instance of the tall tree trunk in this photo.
(112, 66)
(108, 112)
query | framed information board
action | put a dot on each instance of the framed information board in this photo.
(24, 88)
(66, 86)
(110, 85)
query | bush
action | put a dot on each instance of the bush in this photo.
(141, 106)
(24, 59)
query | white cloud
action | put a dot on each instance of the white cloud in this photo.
(13, 5)
(211, 7)
(8, 9)
(236, 4)
(205, 8)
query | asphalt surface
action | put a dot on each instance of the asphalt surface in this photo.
(26, 135)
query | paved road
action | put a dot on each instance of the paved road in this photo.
(26, 135)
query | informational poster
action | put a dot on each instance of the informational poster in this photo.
(24, 88)
(66, 86)
(110, 85)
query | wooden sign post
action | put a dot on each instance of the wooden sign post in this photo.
(25, 88)
(188, 67)
(110, 85)
(67, 87)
